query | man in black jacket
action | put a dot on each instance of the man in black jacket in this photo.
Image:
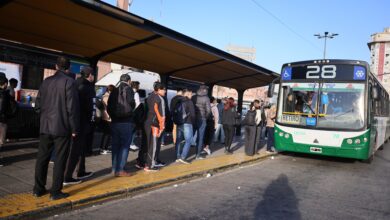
(174, 100)
(120, 108)
(57, 102)
(185, 131)
(78, 150)
(4, 106)
(203, 111)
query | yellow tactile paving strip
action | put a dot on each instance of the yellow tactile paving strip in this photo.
(95, 190)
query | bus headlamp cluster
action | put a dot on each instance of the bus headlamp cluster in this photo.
(286, 135)
(357, 141)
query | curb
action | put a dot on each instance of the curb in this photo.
(128, 192)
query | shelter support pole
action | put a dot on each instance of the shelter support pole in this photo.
(210, 91)
(239, 109)
(164, 79)
(93, 64)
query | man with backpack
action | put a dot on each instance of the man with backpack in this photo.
(175, 99)
(120, 108)
(184, 117)
(203, 110)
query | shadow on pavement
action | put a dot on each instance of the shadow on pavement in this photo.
(318, 157)
(279, 201)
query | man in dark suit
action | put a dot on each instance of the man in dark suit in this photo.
(78, 150)
(57, 104)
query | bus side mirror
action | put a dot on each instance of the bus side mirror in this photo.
(271, 88)
(374, 93)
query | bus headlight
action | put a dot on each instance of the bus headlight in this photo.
(357, 141)
(365, 139)
(287, 135)
(349, 141)
(281, 134)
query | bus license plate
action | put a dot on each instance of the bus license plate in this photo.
(291, 119)
(316, 150)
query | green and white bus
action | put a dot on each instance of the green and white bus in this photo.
(331, 107)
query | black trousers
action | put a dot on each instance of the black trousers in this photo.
(78, 151)
(229, 134)
(153, 145)
(106, 139)
(143, 149)
(48, 143)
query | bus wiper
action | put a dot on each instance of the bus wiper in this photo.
(351, 110)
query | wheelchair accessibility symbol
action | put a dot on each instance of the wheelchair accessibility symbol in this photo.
(286, 75)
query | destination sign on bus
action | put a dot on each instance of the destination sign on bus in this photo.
(324, 72)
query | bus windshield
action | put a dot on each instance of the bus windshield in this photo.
(322, 105)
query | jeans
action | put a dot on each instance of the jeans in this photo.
(187, 131)
(270, 140)
(201, 128)
(219, 131)
(121, 139)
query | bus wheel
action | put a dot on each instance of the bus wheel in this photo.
(369, 160)
(381, 147)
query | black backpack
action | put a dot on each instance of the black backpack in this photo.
(121, 107)
(179, 114)
(250, 118)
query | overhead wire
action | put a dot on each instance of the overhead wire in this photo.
(284, 24)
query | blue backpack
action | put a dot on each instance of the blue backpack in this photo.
(179, 114)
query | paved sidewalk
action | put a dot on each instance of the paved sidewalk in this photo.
(16, 178)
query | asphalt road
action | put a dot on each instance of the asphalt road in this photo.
(286, 187)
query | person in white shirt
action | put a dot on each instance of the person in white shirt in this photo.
(135, 87)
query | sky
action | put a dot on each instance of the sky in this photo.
(280, 30)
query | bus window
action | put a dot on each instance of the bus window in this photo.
(345, 108)
(297, 103)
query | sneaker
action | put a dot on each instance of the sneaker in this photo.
(123, 174)
(207, 150)
(104, 152)
(183, 161)
(160, 164)
(151, 169)
(40, 193)
(134, 147)
(270, 151)
(200, 157)
(228, 152)
(1, 162)
(84, 175)
(59, 195)
(139, 166)
(71, 182)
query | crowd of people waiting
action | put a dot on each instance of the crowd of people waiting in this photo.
(69, 109)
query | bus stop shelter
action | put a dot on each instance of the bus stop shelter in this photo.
(94, 30)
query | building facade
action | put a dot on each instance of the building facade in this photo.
(380, 58)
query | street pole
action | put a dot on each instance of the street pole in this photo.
(325, 36)
(325, 47)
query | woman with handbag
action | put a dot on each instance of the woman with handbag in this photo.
(229, 121)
